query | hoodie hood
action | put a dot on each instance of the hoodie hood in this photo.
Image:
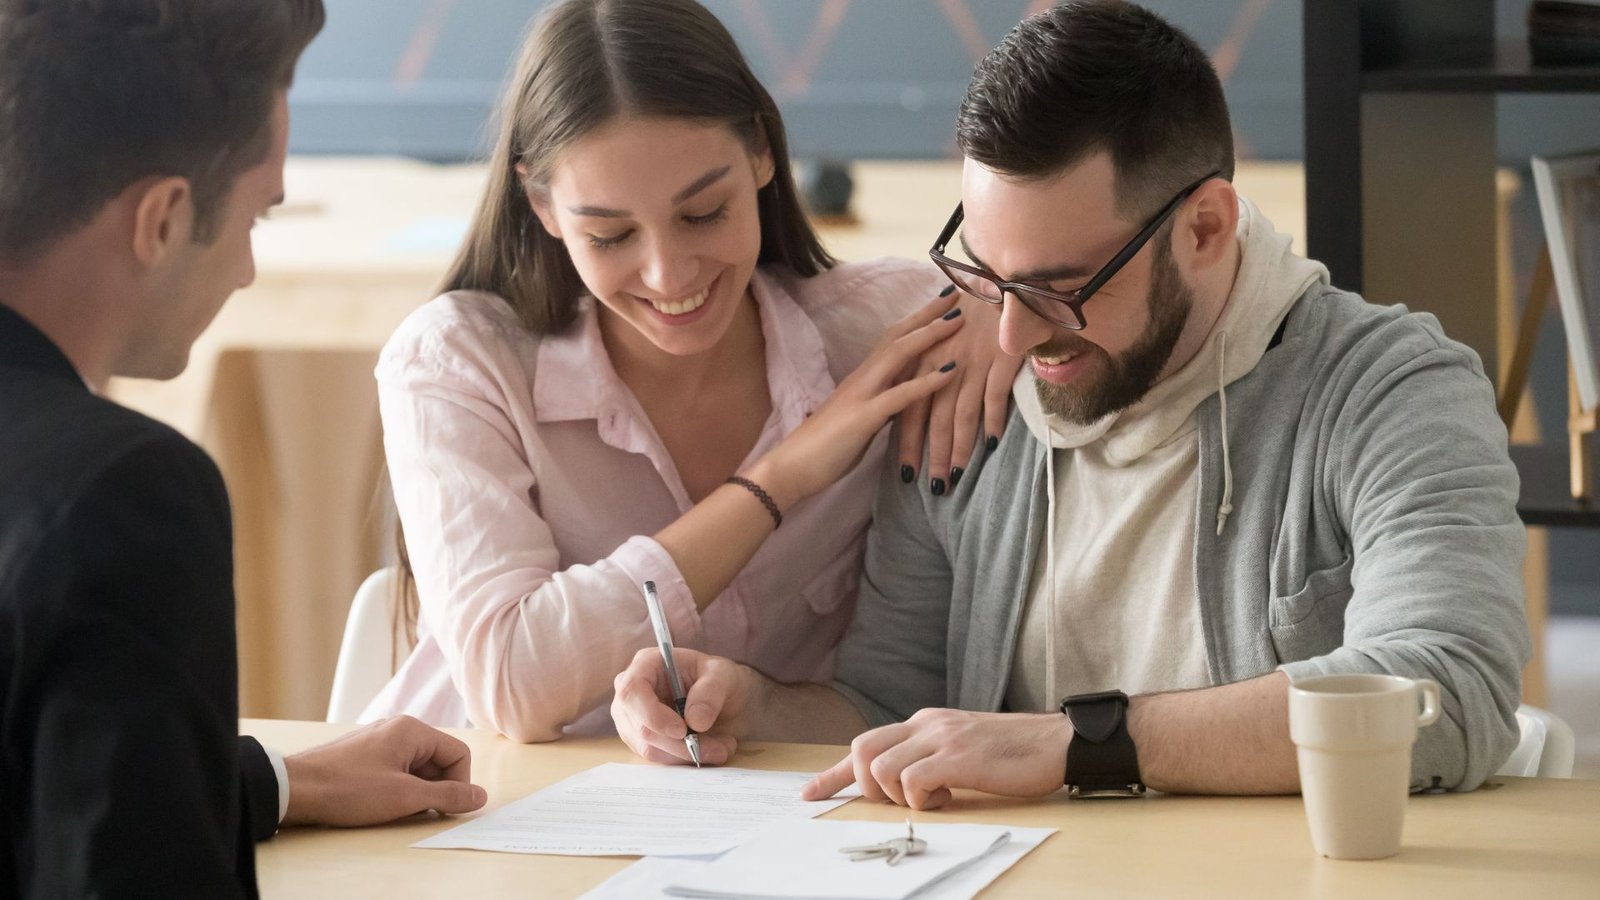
(1270, 278)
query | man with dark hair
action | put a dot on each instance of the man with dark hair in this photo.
(139, 141)
(1227, 476)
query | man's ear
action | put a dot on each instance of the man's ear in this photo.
(163, 218)
(540, 201)
(1211, 224)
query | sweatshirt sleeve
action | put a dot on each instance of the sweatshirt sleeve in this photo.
(1429, 494)
(531, 643)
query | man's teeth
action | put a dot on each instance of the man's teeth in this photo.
(679, 307)
(1055, 360)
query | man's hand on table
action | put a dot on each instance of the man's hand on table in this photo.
(385, 771)
(918, 762)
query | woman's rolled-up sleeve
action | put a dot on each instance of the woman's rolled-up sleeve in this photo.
(531, 644)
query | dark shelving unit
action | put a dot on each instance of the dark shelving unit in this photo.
(1546, 499)
(1400, 173)
(1508, 70)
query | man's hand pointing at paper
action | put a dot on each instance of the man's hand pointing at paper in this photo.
(915, 763)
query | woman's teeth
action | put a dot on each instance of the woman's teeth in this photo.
(679, 307)
(1055, 360)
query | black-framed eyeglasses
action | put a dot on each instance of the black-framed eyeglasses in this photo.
(1065, 310)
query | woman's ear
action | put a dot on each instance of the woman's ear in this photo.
(761, 158)
(541, 209)
(540, 201)
(764, 168)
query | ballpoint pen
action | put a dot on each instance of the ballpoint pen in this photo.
(658, 621)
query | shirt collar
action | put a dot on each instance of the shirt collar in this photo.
(797, 360)
(574, 378)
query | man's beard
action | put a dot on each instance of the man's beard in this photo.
(1121, 382)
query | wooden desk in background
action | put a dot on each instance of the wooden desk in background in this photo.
(1517, 837)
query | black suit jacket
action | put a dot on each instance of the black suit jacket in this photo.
(121, 770)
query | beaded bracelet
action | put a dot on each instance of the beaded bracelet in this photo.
(763, 496)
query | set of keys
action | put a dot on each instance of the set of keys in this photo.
(890, 851)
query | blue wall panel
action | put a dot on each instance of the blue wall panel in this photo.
(855, 78)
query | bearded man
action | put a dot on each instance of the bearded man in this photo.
(1231, 476)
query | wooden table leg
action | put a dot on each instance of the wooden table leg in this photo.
(1536, 595)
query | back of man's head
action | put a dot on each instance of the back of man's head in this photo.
(1099, 75)
(96, 95)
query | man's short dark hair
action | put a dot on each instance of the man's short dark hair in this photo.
(1098, 75)
(98, 94)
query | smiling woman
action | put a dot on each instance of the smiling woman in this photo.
(642, 364)
(660, 218)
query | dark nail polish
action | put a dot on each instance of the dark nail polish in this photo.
(948, 290)
(955, 476)
(907, 474)
(937, 486)
(951, 314)
(991, 443)
(947, 367)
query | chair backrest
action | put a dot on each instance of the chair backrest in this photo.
(1545, 748)
(374, 643)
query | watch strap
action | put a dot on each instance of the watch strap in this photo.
(1101, 758)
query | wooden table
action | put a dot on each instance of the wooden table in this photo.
(1517, 837)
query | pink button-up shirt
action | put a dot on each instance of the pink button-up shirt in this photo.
(529, 481)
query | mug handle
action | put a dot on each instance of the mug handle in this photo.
(1429, 689)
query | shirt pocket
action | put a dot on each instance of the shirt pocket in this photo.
(1311, 622)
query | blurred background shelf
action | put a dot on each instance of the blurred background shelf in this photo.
(1507, 69)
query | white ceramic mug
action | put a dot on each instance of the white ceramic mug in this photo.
(1354, 735)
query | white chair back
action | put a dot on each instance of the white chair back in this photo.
(1545, 748)
(374, 644)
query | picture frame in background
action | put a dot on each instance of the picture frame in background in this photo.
(1568, 188)
(1569, 206)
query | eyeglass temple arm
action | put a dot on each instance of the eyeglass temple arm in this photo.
(1137, 244)
(949, 229)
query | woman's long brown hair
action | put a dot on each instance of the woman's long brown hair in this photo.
(586, 63)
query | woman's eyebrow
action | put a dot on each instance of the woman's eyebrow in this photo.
(695, 187)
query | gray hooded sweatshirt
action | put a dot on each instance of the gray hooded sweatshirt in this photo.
(1373, 528)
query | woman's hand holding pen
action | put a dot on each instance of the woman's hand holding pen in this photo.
(718, 691)
(828, 443)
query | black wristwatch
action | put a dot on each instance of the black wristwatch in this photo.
(1101, 759)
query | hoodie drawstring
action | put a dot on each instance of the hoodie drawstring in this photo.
(1225, 508)
(1050, 571)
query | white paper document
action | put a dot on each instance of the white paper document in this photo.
(641, 810)
(651, 879)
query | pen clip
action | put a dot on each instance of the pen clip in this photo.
(658, 620)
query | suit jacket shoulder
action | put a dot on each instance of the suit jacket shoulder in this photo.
(119, 755)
